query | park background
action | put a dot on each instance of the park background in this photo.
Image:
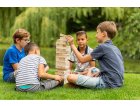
(45, 26)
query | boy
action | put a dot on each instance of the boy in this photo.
(14, 54)
(81, 39)
(109, 58)
(31, 72)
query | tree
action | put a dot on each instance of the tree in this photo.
(128, 39)
(45, 24)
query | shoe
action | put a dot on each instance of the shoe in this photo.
(61, 83)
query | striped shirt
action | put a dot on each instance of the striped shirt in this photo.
(28, 70)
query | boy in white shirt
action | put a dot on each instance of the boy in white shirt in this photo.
(81, 68)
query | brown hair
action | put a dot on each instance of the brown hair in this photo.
(20, 33)
(81, 33)
(109, 27)
(29, 47)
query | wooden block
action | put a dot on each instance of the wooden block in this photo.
(62, 55)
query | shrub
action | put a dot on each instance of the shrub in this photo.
(128, 39)
(49, 55)
(2, 51)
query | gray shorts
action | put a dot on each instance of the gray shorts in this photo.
(44, 85)
(90, 82)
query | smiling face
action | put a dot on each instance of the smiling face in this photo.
(81, 40)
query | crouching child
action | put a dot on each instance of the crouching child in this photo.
(31, 75)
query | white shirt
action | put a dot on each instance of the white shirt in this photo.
(79, 66)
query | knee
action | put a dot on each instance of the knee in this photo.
(70, 78)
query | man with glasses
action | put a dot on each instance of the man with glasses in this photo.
(14, 54)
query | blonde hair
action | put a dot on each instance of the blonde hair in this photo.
(109, 27)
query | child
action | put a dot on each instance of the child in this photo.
(109, 58)
(81, 38)
(31, 75)
(14, 54)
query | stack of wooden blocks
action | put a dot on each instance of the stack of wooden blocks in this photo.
(62, 55)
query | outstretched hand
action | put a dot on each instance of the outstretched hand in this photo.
(70, 39)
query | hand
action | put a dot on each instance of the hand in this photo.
(58, 78)
(70, 39)
(96, 74)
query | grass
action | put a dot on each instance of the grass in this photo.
(132, 66)
(130, 91)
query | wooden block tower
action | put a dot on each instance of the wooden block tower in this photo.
(62, 55)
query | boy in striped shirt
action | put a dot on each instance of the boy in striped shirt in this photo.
(31, 75)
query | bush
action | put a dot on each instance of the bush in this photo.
(128, 39)
(49, 55)
(2, 51)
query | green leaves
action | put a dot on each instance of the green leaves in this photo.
(45, 24)
(129, 36)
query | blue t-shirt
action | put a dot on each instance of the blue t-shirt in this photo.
(12, 56)
(111, 64)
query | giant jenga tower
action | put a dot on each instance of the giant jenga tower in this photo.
(62, 55)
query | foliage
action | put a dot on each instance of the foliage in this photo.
(129, 37)
(49, 55)
(2, 51)
(7, 17)
(45, 24)
(113, 13)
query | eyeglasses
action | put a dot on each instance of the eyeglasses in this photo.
(26, 40)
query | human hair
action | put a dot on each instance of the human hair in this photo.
(109, 27)
(79, 33)
(30, 46)
(20, 33)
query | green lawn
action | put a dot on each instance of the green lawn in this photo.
(130, 91)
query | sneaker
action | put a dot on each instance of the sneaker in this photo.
(61, 83)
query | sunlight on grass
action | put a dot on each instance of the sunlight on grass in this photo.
(130, 91)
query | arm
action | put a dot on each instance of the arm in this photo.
(43, 75)
(92, 63)
(46, 68)
(15, 66)
(81, 58)
(86, 71)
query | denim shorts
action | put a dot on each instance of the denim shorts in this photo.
(90, 82)
(11, 77)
